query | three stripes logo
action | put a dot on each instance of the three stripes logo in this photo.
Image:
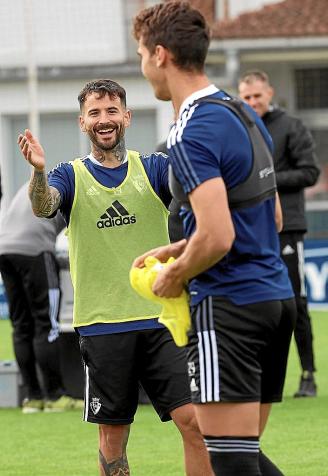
(116, 215)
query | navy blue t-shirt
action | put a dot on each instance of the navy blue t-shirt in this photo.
(209, 141)
(62, 177)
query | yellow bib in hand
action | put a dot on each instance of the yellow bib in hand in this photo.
(175, 311)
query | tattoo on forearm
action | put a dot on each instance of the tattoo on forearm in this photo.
(119, 467)
(45, 200)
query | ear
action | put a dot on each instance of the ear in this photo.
(127, 118)
(271, 92)
(82, 125)
(161, 55)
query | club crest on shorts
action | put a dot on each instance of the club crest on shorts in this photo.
(193, 386)
(95, 405)
(191, 369)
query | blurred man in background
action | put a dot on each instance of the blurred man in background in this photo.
(31, 279)
(296, 168)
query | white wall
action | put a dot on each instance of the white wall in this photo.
(62, 32)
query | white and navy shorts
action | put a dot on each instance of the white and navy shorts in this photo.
(239, 353)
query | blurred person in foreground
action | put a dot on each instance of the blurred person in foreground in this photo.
(31, 278)
(296, 168)
(113, 201)
(242, 305)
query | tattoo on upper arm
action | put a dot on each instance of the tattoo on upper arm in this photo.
(45, 200)
(119, 467)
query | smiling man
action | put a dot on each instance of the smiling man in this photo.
(114, 202)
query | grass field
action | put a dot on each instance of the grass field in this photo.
(62, 445)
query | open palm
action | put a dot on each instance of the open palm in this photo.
(32, 150)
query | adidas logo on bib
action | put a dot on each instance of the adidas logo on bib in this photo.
(116, 215)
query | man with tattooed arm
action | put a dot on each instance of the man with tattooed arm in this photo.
(114, 203)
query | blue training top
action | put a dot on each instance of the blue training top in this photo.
(209, 141)
(62, 177)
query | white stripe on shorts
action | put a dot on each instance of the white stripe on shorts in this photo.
(301, 273)
(207, 352)
(86, 393)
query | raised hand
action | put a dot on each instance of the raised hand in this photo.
(32, 150)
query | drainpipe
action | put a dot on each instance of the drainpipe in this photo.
(232, 68)
(226, 10)
(32, 70)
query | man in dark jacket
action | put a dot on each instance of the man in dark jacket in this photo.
(296, 167)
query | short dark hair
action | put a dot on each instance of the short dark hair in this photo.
(254, 75)
(102, 87)
(177, 26)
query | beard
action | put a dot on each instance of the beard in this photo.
(107, 145)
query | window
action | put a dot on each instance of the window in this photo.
(317, 196)
(141, 135)
(311, 88)
(320, 190)
(59, 136)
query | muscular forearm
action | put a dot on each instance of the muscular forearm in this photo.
(45, 200)
(214, 233)
(200, 254)
(162, 253)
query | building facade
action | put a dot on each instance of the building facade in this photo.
(48, 50)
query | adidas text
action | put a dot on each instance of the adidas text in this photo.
(119, 221)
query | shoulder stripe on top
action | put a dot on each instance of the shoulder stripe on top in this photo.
(186, 115)
(184, 167)
(176, 132)
(175, 140)
(57, 166)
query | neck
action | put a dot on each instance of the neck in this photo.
(183, 84)
(109, 158)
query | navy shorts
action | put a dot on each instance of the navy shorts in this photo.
(115, 364)
(239, 353)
